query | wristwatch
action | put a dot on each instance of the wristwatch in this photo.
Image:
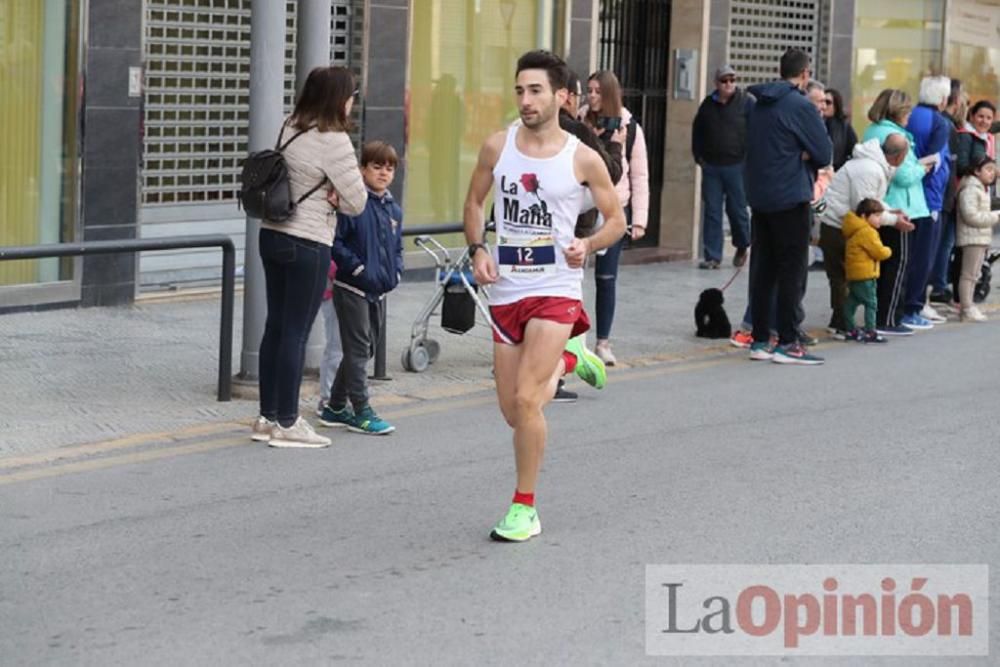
(473, 247)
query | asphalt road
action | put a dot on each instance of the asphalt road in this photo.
(209, 550)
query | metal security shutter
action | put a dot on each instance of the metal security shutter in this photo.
(761, 30)
(197, 61)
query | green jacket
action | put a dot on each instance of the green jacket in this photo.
(906, 189)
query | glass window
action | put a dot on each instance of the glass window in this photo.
(973, 47)
(897, 42)
(460, 90)
(38, 65)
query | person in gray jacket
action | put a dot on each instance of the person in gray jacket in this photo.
(865, 176)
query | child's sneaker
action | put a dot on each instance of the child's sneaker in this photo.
(761, 352)
(331, 417)
(872, 336)
(795, 354)
(853, 334)
(366, 421)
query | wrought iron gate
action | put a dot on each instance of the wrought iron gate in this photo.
(635, 45)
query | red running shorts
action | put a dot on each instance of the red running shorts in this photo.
(511, 318)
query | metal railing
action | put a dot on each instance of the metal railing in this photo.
(225, 386)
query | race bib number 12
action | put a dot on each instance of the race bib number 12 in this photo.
(529, 255)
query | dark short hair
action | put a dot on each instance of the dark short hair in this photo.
(554, 66)
(323, 100)
(378, 152)
(979, 106)
(794, 62)
(868, 206)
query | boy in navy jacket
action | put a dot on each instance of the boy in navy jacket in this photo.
(368, 251)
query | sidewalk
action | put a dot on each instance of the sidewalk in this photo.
(81, 376)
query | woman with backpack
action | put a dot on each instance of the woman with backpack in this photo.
(604, 114)
(322, 171)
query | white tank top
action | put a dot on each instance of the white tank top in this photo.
(536, 203)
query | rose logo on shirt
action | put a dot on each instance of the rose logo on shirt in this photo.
(530, 184)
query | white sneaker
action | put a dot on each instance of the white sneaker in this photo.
(604, 353)
(930, 313)
(299, 434)
(973, 314)
(261, 429)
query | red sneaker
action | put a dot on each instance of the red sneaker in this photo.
(741, 339)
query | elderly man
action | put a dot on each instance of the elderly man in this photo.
(865, 176)
(931, 130)
(718, 142)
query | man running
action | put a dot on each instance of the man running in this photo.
(540, 175)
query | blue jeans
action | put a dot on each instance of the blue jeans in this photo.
(295, 276)
(606, 277)
(718, 183)
(942, 258)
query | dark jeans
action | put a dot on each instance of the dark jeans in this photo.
(923, 246)
(718, 183)
(892, 277)
(942, 257)
(606, 280)
(781, 254)
(295, 276)
(831, 242)
(360, 327)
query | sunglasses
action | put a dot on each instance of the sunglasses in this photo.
(727, 80)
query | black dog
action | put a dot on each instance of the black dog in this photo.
(710, 317)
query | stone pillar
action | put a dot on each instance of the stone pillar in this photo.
(111, 150)
(681, 200)
(385, 79)
(842, 48)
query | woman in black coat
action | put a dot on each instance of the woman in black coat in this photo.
(839, 128)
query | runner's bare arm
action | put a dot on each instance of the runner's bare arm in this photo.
(483, 267)
(590, 169)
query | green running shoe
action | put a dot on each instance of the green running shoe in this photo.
(589, 366)
(520, 524)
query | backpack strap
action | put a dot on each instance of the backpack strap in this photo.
(630, 132)
(314, 189)
(282, 146)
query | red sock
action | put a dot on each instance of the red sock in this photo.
(524, 498)
(570, 360)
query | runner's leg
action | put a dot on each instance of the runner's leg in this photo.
(540, 360)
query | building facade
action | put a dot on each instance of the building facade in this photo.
(129, 119)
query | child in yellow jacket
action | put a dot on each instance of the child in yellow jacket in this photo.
(862, 254)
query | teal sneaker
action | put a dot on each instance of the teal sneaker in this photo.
(331, 417)
(366, 421)
(795, 354)
(589, 366)
(519, 525)
(760, 352)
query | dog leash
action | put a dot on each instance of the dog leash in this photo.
(730, 281)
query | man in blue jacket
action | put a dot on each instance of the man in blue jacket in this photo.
(368, 251)
(787, 144)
